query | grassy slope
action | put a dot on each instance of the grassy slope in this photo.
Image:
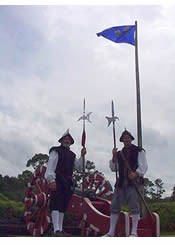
(9, 207)
(166, 211)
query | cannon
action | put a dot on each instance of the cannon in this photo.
(90, 209)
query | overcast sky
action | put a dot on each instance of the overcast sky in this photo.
(51, 59)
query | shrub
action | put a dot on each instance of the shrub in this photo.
(10, 209)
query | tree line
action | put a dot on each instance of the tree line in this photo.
(14, 187)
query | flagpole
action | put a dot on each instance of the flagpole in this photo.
(139, 121)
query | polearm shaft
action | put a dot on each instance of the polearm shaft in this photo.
(112, 119)
(83, 141)
(113, 125)
(139, 121)
(84, 117)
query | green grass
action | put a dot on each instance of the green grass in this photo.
(167, 234)
(9, 207)
(166, 211)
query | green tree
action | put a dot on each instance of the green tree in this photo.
(37, 160)
(159, 188)
(24, 177)
(149, 188)
(173, 193)
(90, 167)
(78, 175)
(14, 187)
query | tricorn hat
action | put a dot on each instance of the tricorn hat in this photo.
(126, 132)
(66, 134)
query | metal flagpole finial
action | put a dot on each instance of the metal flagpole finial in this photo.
(113, 118)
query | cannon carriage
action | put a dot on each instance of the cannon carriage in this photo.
(91, 209)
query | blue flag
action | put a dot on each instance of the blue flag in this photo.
(120, 34)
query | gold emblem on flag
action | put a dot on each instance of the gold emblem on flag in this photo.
(118, 32)
(126, 29)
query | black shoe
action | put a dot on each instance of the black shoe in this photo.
(65, 233)
(57, 233)
(61, 234)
